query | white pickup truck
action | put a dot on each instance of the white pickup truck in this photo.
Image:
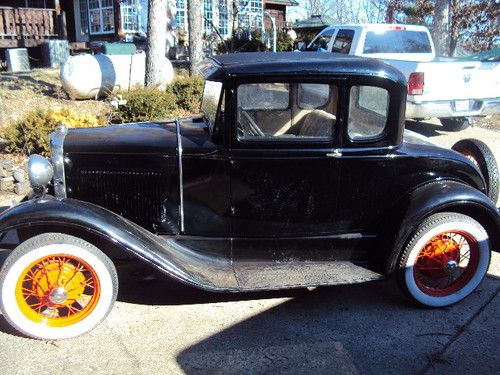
(452, 90)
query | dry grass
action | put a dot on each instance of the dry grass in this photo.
(489, 122)
(21, 93)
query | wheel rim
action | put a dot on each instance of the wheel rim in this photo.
(58, 290)
(446, 263)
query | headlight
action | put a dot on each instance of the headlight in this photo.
(40, 172)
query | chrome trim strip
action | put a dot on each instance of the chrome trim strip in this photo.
(181, 184)
(57, 157)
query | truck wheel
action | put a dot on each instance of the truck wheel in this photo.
(445, 260)
(454, 124)
(481, 155)
(55, 286)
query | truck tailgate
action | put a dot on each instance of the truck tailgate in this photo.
(460, 80)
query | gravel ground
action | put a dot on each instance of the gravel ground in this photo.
(159, 326)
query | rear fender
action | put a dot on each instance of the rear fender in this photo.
(206, 271)
(442, 196)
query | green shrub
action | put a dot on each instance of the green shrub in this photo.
(188, 92)
(284, 42)
(32, 133)
(146, 104)
(242, 43)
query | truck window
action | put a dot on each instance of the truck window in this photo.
(343, 41)
(397, 41)
(282, 111)
(320, 44)
(368, 106)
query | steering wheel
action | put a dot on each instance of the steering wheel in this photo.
(252, 126)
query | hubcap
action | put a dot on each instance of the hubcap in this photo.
(446, 263)
(58, 290)
(58, 296)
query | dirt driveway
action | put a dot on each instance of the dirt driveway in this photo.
(161, 327)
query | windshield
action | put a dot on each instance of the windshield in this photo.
(210, 101)
(397, 41)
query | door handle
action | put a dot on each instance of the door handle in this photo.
(334, 154)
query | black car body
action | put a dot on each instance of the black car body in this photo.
(223, 206)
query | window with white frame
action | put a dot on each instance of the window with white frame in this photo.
(181, 15)
(250, 15)
(101, 16)
(130, 16)
(223, 18)
(207, 16)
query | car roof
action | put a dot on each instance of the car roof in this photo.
(269, 64)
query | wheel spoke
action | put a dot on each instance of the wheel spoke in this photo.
(75, 272)
(446, 263)
(58, 277)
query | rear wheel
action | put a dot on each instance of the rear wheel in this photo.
(481, 155)
(445, 260)
(55, 286)
(455, 124)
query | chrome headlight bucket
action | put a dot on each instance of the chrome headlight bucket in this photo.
(40, 172)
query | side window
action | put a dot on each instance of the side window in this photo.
(368, 107)
(281, 111)
(343, 41)
(320, 44)
(264, 96)
(313, 95)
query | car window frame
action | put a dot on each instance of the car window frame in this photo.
(392, 134)
(289, 143)
(352, 41)
(368, 139)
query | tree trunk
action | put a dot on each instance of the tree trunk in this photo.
(157, 33)
(440, 31)
(195, 34)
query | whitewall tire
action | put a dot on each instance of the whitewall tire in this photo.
(445, 260)
(56, 286)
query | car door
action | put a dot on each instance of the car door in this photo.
(284, 184)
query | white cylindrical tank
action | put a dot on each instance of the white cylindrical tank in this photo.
(88, 76)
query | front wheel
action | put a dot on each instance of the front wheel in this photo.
(445, 260)
(56, 286)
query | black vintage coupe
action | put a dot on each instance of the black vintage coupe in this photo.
(299, 173)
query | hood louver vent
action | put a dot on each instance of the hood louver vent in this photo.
(140, 196)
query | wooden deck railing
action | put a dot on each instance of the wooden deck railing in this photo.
(26, 27)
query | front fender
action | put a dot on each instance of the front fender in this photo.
(206, 271)
(443, 196)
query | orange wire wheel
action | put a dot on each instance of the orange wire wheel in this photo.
(55, 286)
(445, 259)
(57, 290)
(446, 263)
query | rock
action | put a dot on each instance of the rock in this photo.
(4, 173)
(21, 188)
(7, 164)
(7, 184)
(19, 175)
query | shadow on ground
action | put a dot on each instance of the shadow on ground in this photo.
(425, 128)
(141, 284)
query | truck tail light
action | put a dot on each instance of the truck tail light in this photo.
(416, 83)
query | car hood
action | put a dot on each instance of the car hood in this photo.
(145, 138)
